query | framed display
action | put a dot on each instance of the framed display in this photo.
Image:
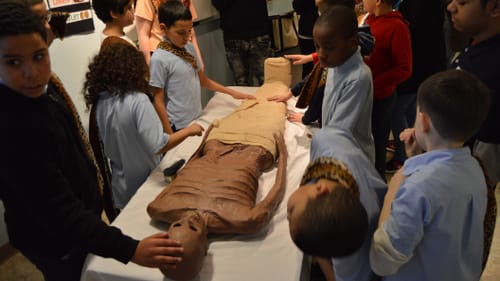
(80, 15)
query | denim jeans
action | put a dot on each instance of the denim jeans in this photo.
(246, 58)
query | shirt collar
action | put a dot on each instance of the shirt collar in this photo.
(415, 163)
(354, 59)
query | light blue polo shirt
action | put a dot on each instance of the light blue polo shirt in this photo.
(348, 101)
(181, 84)
(132, 134)
(435, 227)
(341, 145)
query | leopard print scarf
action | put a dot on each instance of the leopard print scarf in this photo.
(331, 169)
(180, 52)
(58, 86)
(316, 79)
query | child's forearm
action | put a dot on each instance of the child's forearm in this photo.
(143, 28)
(197, 49)
(392, 190)
(161, 110)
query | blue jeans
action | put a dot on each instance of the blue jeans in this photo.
(403, 116)
(246, 57)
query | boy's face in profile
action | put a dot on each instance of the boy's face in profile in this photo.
(25, 64)
(179, 33)
(299, 198)
(127, 17)
(333, 49)
(369, 6)
(469, 16)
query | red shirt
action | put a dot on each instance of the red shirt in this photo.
(391, 59)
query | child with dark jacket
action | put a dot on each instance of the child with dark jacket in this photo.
(53, 210)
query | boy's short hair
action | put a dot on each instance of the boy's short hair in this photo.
(457, 103)
(171, 11)
(323, 5)
(340, 18)
(103, 8)
(334, 224)
(16, 18)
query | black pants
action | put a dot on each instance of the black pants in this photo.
(381, 127)
(67, 268)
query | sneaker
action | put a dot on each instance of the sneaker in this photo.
(392, 166)
(391, 146)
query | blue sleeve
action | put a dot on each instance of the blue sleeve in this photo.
(350, 105)
(366, 40)
(149, 125)
(158, 71)
(409, 212)
(298, 87)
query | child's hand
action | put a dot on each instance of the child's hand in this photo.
(299, 59)
(158, 250)
(281, 98)
(195, 129)
(412, 148)
(295, 117)
(241, 96)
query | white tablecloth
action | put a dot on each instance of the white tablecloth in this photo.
(267, 255)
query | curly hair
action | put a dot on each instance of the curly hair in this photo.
(119, 68)
(16, 18)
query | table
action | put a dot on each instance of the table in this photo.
(265, 256)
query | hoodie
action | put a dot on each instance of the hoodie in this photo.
(391, 59)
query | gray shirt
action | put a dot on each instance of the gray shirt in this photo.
(348, 101)
(181, 84)
(132, 134)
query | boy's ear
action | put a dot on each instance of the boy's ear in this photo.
(426, 121)
(163, 27)
(321, 190)
(114, 15)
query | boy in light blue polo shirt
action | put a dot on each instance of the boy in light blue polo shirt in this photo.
(176, 75)
(431, 223)
(348, 97)
(335, 211)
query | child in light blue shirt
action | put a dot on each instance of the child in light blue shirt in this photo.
(176, 75)
(326, 213)
(130, 131)
(431, 223)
